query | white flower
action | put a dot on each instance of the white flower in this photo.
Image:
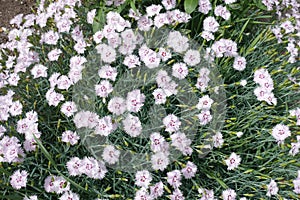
(205, 103)
(239, 134)
(239, 63)
(108, 72)
(104, 126)
(204, 6)
(70, 137)
(233, 161)
(181, 142)
(39, 71)
(143, 178)
(63, 82)
(117, 105)
(157, 190)
(153, 10)
(272, 188)
(135, 100)
(172, 123)
(131, 61)
(218, 139)
(98, 36)
(159, 96)
(204, 117)
(145, 23)
(110, 154)
(108, 53)
(178, 42)
(177, 195)
(68, 108)
(142, 194)
(210, 24)
(132, 125)
(207, 35)
(169, 4)
(18, 179)
(229, 194)
(180, 70)
(164, 54)
(296, 183)
(54, 54)
(243, 82)
(162, 78)
(229, 1)
(158, 143)
(190, 170)
(73, 166)
(90, 16)
(280, 132)
(174, 178)
(222, 12)
(69, 195)
(104, 88)
(15, 108)
(160, 161)
(160, 20)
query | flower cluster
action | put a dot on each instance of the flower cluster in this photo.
(288, 26)
(266, 85)
(88, 165)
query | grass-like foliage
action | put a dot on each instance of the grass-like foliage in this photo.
(148, 99)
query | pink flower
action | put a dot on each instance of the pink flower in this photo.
(177, 195)
(73, 166)
(174, 178)
(108, 72)
(50, 37)
(182, 143)
(159, 96)
(153, 10)
(54, 54)
(68, 108)
(204, 117)
(132, 125)
(205, 103)
(68, 195)
(172, 123)
(142, 194)
(204, 6)
(70, 137)
(159, 161)
(272, 188)
(131, 61)
(90, 16)
(117, 105)
(233, 161)
(39, 71)
(18, 179)
(143, 178)
(135, 100)
(110, 154)
(210, 24)
(157, 190)
(239, 63)
(180, 70)
(190, 170)
(222, 12)
(280, 132)
(63, 82)
(104, 126)
(169, 4)
(229, 194)
(104, 88)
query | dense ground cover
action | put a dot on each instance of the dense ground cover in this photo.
(151, 100)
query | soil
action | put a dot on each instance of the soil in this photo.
(11, 8)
